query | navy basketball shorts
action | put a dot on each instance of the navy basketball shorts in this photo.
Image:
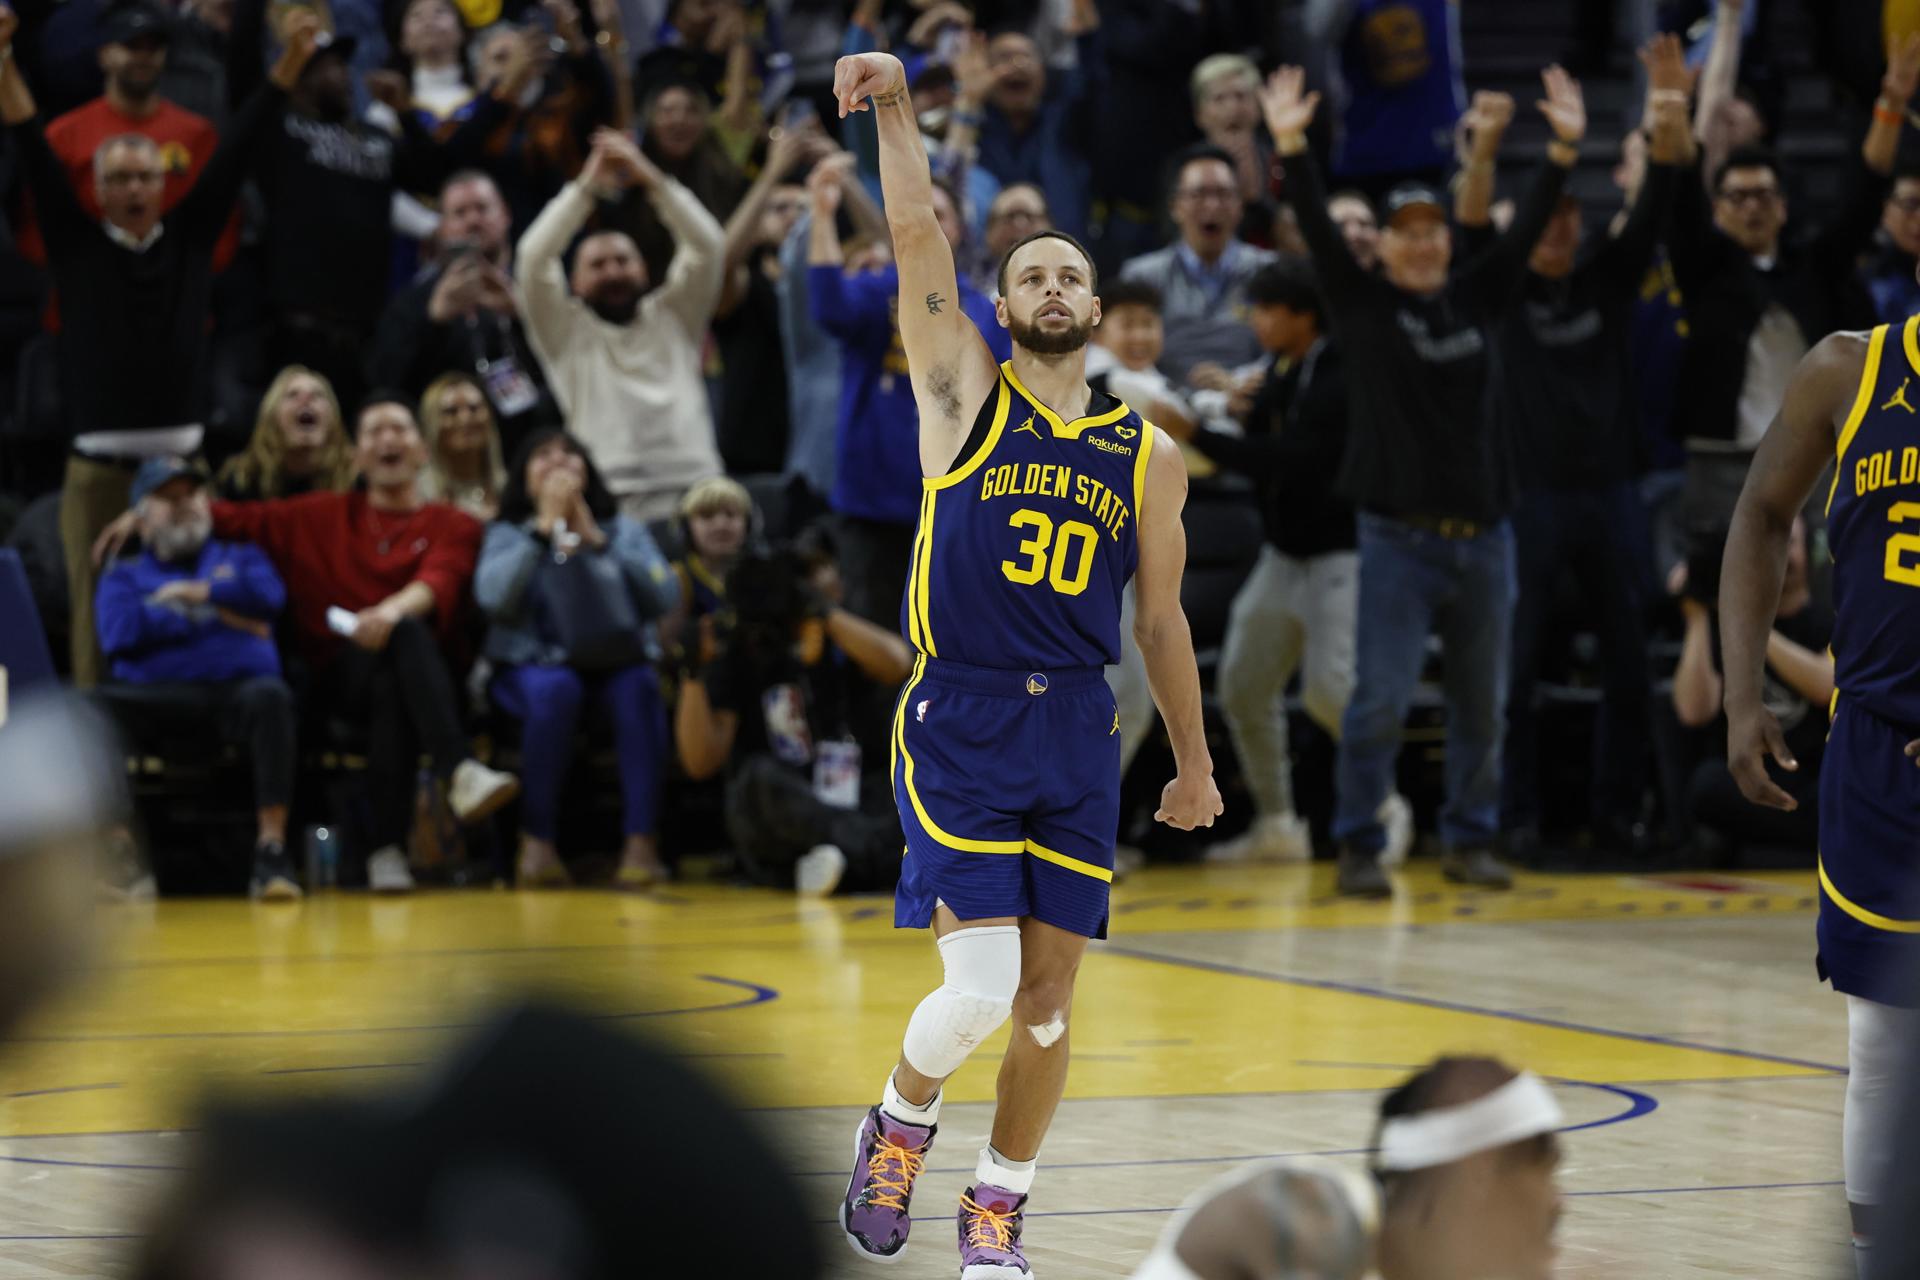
(1869, 926)
(1008, 784)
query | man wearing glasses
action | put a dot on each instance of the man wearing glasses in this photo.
(1756, 300)
(1202, 277)
(1890, 272)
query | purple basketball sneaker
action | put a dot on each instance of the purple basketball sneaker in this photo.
(990, 1234)
(887, 1157)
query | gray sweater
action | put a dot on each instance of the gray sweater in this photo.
(1202, 324)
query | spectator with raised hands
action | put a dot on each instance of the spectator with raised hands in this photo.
(752, 422)
(133, 358)
(1431, 477)
(678, 140)
(570, 587)
(1038, 122)
(812, 355)
(626, 358)
(1757, 300)
(461, 313)
(1562, 395)
(299, 443)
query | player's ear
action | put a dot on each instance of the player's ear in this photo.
(1000, 309)
(1096, 310)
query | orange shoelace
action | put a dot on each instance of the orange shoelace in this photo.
(890, 1174)
(988, 1228)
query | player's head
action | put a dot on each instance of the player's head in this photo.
(1130, 325)
(1900, 219)
(1047, 299)
(1416, 244)
(1284, 308)
(1749, 200)
(1555, 250)
(1206, 201)
(1466, 1163)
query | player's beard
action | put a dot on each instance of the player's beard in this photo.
(1028, 335)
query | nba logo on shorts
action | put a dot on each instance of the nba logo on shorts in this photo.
(1036, 684)
(920, 712)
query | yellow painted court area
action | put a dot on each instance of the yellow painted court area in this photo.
(801, 1004)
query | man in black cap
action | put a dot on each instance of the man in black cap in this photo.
(187, 626)
(1431, 476)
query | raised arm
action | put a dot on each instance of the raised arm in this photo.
(1495, 276)
(692, 286)
(204, 212)
(1166, 642)
(1717, 81)
(1486, 124)
(952, 369)
(1289, 110)
(61, 217)
(1625, 258)
(1878, 148)
(790, 149)
(1796, 449)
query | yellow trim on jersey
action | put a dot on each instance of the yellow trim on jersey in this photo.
(1072, 864)
(906, 776)
(1863, 400)
(972, 464)
(1911, 343)
(1871, 919)
(1148, 432)
(922, 585)
(1066, 430)
(919, 555)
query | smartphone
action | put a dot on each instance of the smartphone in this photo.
(950, 44)
(798, 113)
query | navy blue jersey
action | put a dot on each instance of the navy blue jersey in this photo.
(1025, 547)
(1873, 527)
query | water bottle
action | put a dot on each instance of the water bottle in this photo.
(323, 858)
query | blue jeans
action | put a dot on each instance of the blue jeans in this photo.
(1412, 581)
(547, 702)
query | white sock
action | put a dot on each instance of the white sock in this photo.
(1878, 1039)
(906, 1112)
(996, 1170)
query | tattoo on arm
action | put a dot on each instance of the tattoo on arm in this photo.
(893, 99)
(933, 304)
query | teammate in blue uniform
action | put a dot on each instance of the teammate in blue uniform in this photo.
(1040, 501)
(1854, 402)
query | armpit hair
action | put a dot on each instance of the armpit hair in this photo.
(942, 386)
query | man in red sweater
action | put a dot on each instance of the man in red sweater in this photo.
(376, 580)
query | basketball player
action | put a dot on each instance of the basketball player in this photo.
(1040, 501)
(1463, 1188)
(1855, 402)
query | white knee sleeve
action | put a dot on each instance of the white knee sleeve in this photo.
(1880, 1038)
(983, 973)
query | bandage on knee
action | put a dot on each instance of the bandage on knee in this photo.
(1879, 1038)
(982, 975)
(1047, 1034)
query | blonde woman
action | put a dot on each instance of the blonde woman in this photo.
(299, 443)
(465, 467)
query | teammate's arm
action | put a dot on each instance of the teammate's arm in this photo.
(952, 369)
(1792, 455)
(1160, 629)
(1807, 673)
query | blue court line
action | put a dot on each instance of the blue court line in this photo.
(1638, 1104)
(1455, 1006)
(756, 994)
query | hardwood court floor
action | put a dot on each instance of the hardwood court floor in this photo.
(1235, 1013)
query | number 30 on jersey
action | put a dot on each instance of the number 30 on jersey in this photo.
(1062, 554)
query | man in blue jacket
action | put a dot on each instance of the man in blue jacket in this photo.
(876, 487)
(187, 629)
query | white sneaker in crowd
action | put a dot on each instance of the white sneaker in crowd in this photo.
(818, 872)
(1396, 815)
(387, 872)
(1273, 837)
(477, 791)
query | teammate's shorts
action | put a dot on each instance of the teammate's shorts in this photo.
(1008, 784)
(1869, 927)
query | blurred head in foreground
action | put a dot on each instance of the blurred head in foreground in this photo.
(62, 794)
(550, 1146)
(1463, 1189)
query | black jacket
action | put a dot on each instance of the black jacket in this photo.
(1296, 434)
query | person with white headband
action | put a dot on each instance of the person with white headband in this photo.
(1463, 1189)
